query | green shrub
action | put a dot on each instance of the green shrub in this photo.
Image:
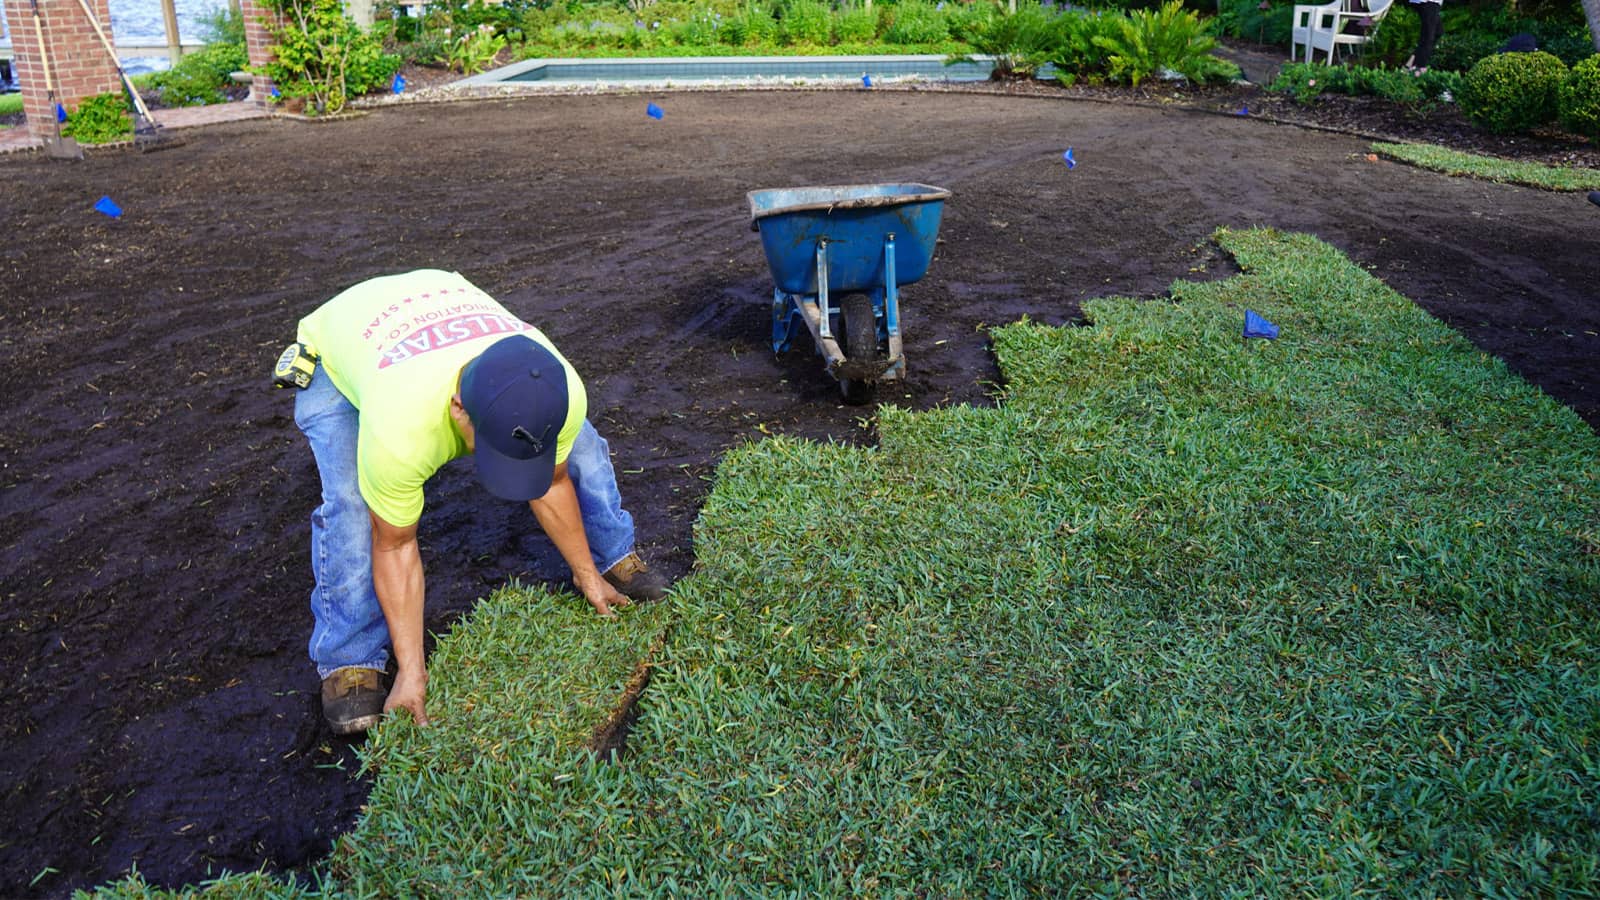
(1578, 100)
(1210, 69)
(1305, 82)
(1439, 85)
(223, 26)
(471, 52)
(1020, 42)
(1146, 43)
(806, 22)
(757, 25)
(1460, 51)
(1512, 92)
(702, 29)
(732, 31)
(199, 78)
(1569, 42)
(1395, 38)
(1079, 56)
(856, 25)
(916, 22)
(1395, 85)
(429, 49)
(965, 21)
(501, 17)
(100, 119)
(1472, 33)
(1246, 19)
(576, 35)
(321, 55)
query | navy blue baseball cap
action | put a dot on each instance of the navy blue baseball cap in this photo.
(515, 393)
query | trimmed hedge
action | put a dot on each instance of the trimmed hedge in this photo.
(1512, 92)
(1578, 99)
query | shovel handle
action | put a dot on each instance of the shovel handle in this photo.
(105, 42)
(44, 61)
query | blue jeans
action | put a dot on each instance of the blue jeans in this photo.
(350, 630)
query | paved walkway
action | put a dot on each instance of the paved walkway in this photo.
(18, 139)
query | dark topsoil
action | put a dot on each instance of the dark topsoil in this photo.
(160, 711)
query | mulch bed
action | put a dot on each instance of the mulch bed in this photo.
(156, 493)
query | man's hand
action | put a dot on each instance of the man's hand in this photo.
(599, 592)
(561, 519)
(410, 692)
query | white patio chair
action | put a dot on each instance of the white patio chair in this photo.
(1328, 27)
(1305, 18)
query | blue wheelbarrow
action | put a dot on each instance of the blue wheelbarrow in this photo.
(839, 256)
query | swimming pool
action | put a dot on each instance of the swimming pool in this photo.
(732, 69)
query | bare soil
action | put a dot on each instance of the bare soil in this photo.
(155, 494)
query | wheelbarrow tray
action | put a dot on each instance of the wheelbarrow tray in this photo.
(854, 220)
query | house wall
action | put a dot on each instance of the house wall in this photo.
(76, 62)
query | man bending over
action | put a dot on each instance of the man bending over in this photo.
(398, 376)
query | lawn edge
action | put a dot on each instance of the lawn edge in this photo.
(1460, 164)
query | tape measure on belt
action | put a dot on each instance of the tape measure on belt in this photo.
(295, 367)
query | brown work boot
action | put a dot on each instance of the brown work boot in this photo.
(635, 580)
(352, 699)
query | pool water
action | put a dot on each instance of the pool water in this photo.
(734, 68)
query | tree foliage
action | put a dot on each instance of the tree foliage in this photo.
(321, 55)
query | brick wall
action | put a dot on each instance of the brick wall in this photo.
(257, 39)
(79, 65)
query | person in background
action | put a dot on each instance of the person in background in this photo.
(1428, 11)
(1521, 42)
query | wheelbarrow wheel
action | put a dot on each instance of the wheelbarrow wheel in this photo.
(860, 341)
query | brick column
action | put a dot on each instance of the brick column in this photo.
(257, 40)
(79, 64)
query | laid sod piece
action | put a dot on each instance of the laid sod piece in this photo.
(1505, 171)
(1187, 614)
(527, 691)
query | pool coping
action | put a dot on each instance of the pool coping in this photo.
(500, 78)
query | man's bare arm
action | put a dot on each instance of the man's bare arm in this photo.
(397, 578)
(559, 516)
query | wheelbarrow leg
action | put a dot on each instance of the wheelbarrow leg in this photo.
(784, 313)
(891, 311)
(822, 288)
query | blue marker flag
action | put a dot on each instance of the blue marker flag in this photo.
(1067, 156)
(1244, 111)
(866, 80)
(109, 207)
(1257, 327)
(654, 111)
(275, 91)
(399, 84)
(61, 113)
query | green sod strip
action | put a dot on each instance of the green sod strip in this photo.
(1454, 162)
(1186, 614)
